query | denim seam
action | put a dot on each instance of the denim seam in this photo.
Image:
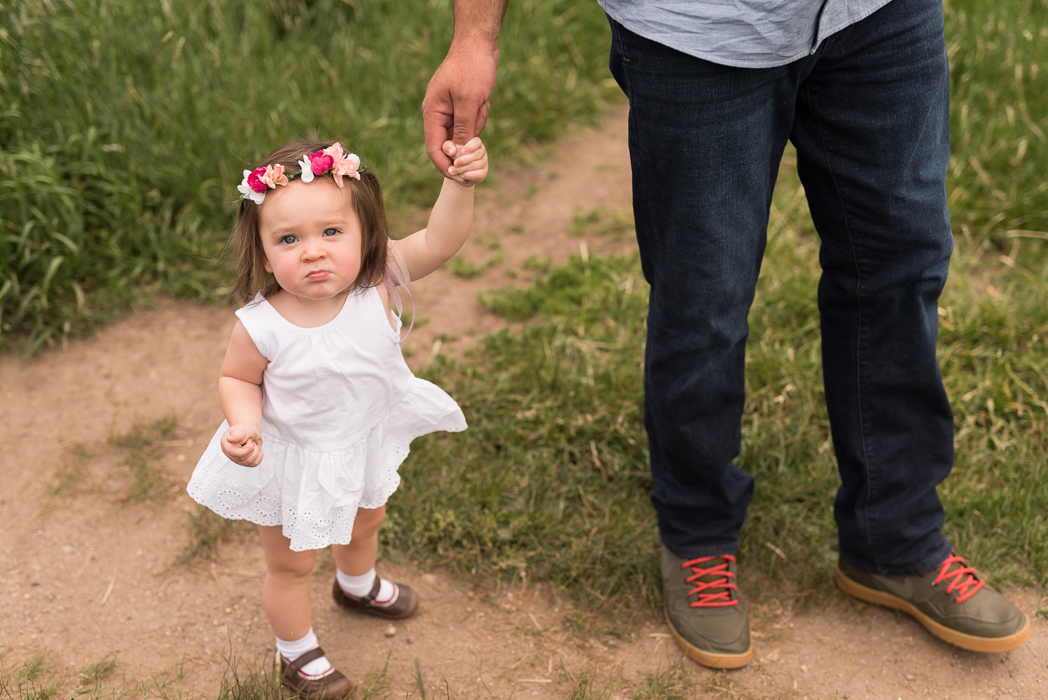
(858, 352)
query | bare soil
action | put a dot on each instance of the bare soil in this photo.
(86, 576)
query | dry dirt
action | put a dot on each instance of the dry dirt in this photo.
(85, 576)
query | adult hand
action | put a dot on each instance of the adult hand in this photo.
(456, 106)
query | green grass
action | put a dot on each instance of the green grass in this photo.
(93, 674)
(34, 679)
(144, 446)
(999, 115)
(124, 127)
(551, 481)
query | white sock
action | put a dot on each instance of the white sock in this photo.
(360, 586)
(293, 649)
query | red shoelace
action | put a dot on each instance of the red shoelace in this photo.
(711, 600)
(966, 586)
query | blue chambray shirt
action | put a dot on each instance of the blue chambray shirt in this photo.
(742, 33)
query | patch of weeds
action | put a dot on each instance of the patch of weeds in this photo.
(491, 241)
(255, 682)
(144, 447)
(601, 222)
(205, 531)
(527, 194)
(466, 269)
(71, 470)
(447, 337)
(420, 681)
(35, 679)
(672, 683)
(92, 675)
(538, 264)
(588, 687)
(378, 685)
(725, 687)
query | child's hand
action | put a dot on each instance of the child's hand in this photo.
(242, 443)
(469, 163)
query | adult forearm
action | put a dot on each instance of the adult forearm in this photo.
(478, 21)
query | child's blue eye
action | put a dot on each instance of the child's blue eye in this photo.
(330, 231)
(288, 240)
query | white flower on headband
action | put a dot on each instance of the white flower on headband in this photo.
(307, 169)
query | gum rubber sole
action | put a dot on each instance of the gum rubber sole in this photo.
(709, 659)
(960, 639)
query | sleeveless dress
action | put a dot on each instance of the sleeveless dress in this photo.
(339, 411)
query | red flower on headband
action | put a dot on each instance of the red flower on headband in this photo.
(320, 162)
(254, 180)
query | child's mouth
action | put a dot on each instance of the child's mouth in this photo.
(318, 275)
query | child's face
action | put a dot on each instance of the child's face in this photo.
(311, 236)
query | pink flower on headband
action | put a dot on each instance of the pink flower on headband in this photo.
(274, 175)
(345, 164)
(320, 162)
(254, 180)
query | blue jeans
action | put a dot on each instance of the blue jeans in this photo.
(868, 113)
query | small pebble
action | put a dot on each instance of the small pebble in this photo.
(409, 641)
(67, 548)
(909, 677)
(1014, 671)
(390, 631)
(36, 583)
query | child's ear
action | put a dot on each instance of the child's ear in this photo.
(269, 268)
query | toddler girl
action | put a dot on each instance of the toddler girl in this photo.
(320, 407)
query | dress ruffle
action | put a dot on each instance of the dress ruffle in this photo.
(314, 495)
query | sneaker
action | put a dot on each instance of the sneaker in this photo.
(325, 686)
(955, 605)
(703, 608)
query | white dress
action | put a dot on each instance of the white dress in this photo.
(339, 411)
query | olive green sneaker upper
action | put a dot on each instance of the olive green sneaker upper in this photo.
(703, 603)
(953, 595)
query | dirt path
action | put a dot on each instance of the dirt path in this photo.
(85, 576)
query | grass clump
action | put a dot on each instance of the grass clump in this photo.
(206, 530)
(144, 447)
(93, 674)
(34, 679)
(551, 481)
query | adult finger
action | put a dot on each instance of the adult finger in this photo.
(467, 117)
(436, 127)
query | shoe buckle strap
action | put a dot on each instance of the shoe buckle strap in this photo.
(301, 661)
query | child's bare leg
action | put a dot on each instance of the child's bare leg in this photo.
(358, 557)
(285, 593)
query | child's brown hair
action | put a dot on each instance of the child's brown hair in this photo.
(366, 200)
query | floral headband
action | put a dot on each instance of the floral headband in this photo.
(330, 160)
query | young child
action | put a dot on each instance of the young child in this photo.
(320, 407)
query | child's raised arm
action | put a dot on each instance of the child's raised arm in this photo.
(452, 215)
(240, 392)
